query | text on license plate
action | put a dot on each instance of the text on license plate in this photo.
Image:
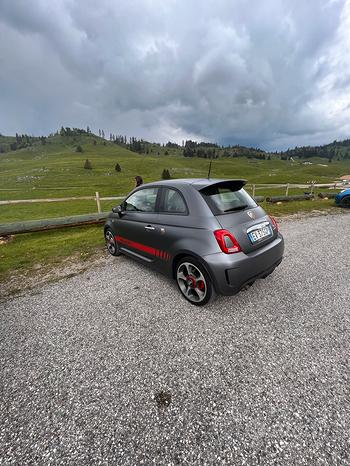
(259, 234)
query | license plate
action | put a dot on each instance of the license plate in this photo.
(259, 234)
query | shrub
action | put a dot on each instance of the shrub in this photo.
(166, 174)
(118, 168)
(79, 149)
(87, 165)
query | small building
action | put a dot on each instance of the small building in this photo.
(345, 179)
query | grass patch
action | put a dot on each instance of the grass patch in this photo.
(26, 251)
(293, 207)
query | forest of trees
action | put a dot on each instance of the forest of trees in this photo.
(202, 149)
(71, 132)
(21, 141)
(329, 151)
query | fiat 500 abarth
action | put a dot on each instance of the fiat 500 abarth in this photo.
(208, 234)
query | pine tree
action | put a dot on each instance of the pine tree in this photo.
(87, 165)
(166, 174)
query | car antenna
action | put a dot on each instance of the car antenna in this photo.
(209, 168)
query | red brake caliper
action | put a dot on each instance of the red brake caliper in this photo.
(201, 285)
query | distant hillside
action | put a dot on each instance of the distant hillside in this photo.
(337, 150)
(66, 136)
(76, 138)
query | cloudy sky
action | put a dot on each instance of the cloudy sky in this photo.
(267, 73)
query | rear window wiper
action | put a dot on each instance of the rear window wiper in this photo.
(240, 207)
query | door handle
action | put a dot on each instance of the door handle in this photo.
(149, 228)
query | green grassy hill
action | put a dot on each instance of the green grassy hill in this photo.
(55, 169)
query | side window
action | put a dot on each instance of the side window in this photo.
(173, 202)
(143, 200)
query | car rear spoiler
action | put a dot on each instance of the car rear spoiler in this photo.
(233, 185)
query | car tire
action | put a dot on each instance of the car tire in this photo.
(111, 243)
(345, 202)
(194, 281)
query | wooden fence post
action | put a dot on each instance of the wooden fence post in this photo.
(287, 189)
(98, 202)
(312, 188)
(253, 193)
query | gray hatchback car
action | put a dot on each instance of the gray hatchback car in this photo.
(208, 234)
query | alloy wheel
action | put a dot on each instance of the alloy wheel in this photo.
(110, 242)
(192, 282)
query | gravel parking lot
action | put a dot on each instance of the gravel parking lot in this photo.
(114, 367)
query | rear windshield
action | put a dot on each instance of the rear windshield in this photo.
(225, 199)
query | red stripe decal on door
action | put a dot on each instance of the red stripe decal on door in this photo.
(135, 245)
(142, 247)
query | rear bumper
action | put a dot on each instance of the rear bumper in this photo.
(232, 272)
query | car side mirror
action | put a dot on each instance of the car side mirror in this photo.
(118, 210)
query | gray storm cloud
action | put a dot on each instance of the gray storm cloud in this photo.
(272, 74)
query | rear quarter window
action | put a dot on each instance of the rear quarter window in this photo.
(173, 202)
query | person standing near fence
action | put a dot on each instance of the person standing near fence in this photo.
(138, 180)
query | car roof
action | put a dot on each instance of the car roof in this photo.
(198, 183)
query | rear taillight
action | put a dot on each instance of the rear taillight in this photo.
(227, 242)
(274, 223)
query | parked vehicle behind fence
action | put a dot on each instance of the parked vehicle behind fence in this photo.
(343, 198)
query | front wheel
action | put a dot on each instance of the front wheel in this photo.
(111, 243)
(345, 202)
(194, 281)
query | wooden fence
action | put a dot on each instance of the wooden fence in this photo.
(309, 186)
(51, 223)
(96, 198)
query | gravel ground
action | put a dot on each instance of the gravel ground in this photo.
(114, 367)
